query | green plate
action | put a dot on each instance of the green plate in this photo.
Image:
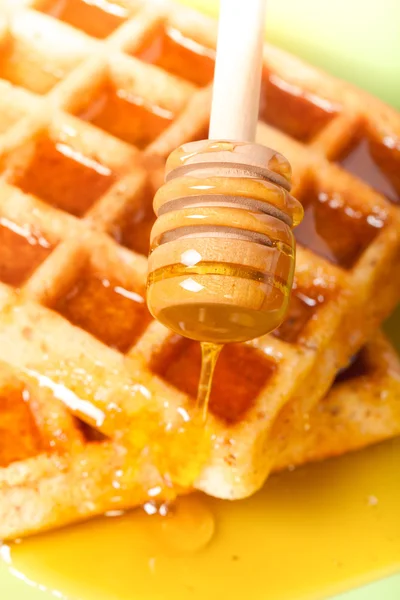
(358, 41)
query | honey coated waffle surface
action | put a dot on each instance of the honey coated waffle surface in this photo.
(96, 398)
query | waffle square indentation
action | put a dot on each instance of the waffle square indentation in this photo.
(304, 303)
(126, 115)
(295, 111)
(132, 229)
(240, 375)
(22, 250)
(63, 176)
(336, 225)
(98, 19)
(178, 54)
(19, 435)
(103, 307)
(375, 161)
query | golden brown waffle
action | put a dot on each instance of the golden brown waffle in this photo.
(61, 470)
(91, 104)
(362, 407)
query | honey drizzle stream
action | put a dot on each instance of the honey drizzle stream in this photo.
(209, 356)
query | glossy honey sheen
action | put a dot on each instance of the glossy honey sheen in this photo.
(127, 116)
(178, 54)
(375, 163)
(209, 356)
(98, 18)
(308, 534)
(63, 177)
(240, 375)
(222, 250)
(105, 309)
(22, 250)
(302, 552)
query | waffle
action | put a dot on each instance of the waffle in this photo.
(101, 395)
(61, 470)
(361, 408)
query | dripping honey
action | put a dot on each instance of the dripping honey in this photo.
(222, 251)
(209, 357)
(241, 373)
(241, 547)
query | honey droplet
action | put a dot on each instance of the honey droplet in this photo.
(187, 528)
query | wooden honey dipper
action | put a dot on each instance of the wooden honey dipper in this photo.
(222, 249)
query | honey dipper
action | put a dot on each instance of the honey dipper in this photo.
(222, 249)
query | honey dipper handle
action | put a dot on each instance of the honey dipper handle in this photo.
(237, 80)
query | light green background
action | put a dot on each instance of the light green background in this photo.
(358, 40)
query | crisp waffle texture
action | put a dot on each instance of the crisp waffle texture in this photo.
(96, 398)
